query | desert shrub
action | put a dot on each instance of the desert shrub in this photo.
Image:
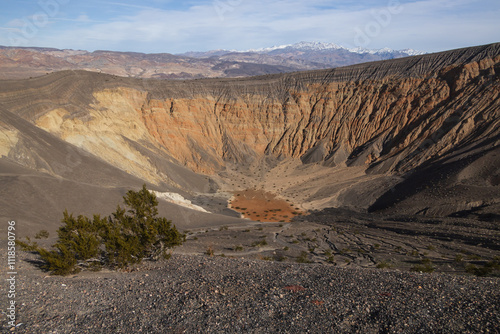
(210, 251)
(43, 234)
(28, 245)
(128, 236)
(303, 258)
(79, 236)
(490, 268)
(426, 266)
(59, 261)
(384, 265)
(414, 253)
(261, 243)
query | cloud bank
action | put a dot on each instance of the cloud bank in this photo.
(167, 26)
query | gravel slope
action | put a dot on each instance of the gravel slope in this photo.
(189, 294)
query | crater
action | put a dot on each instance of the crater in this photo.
(259, 205)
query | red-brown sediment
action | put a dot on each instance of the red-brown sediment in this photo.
(263, 206)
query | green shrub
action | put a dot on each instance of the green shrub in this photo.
(261, 243)
(488, 269)
(27, 245)
(425, 266)
(127, 236)
(384, 265)
(209, 251)
(43, 234)
(303, 258)
(60, 261)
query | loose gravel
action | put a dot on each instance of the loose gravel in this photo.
(189, 294)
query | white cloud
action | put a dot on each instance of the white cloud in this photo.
(83, 18)
(16, 23)
(243, 24)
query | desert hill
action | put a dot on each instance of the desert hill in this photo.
(25, 62)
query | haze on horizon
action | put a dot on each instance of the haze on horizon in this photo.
(156, 26)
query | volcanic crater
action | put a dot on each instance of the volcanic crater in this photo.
(390, 164)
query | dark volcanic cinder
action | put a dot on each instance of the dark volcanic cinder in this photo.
(200, 294)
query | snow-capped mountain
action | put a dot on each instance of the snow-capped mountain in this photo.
(307, 55)
(312, 46)
(319, 46)
(21, 62)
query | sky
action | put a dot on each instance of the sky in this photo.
(167, 26)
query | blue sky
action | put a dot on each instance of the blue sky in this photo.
(154, 26)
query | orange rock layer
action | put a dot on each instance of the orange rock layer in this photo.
(388, 116)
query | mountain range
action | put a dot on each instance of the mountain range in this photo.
(25, 62)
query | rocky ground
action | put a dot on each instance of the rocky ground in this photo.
(330, 271)
(188, 294)
(343, 238)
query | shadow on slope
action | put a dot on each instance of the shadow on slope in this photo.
(466, 184)
(43, 175)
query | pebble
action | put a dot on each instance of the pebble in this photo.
(226, 295)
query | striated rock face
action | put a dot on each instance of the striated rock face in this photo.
(388, 117)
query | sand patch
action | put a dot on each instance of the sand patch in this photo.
(263, 206)
(178, 199)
